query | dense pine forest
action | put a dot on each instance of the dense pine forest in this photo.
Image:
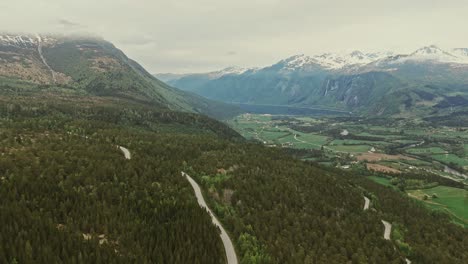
(68, 195)
(294, 212)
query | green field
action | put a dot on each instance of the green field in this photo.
(427, 151)
(357, 142)
(351, 148)
(312, 138)
(304, 141)
(434, 143)
(381, 180)
(451, 200)
(447, 158)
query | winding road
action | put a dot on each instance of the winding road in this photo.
(388, 226)
(367, 203)
(228, 246)
(388, 229)
(126, 152)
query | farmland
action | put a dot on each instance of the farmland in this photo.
(380, 147)
(392, 145)
(448, 199)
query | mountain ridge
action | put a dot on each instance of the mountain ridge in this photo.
(303, 80)
(92, 65)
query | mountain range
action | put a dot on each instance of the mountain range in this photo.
(91, 66)
(429, 79)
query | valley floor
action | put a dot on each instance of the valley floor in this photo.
(356, 144)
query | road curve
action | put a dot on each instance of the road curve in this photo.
(126, 152)
(367, 203)
(388, 229)
(388, 226)
(228, 246)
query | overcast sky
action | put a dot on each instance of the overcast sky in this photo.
(202, 35)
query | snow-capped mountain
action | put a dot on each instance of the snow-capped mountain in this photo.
(434, 54)
(357, 61)
(331, 61)
(430, 56)
(25, 41)
(229, 71)
(355, 58)
(460, 52)
(353, 62)
(18, 41)
(234, 70)
(380, 82)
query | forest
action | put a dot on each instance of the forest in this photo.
(68, 195)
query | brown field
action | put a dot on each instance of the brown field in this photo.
(381, 168)
(380, 156)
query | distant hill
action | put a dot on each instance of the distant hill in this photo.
(426, 80)
(93, 66)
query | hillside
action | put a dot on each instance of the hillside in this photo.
(92, 66)
(91, 154)
(428, 81)
(71, 195)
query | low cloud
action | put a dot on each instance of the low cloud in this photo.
(205, 35)
(68, 23)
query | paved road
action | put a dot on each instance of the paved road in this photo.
(388, 226)
(367, 203)
(228, 246)
(126, 152)
(388, 229)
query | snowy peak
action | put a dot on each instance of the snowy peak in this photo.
(233, 70)
(18, 41)
(460, 52)
(229, 71)
(358, 55)
(24, 41)
(331, 61)
(432, 52)
(297, 62)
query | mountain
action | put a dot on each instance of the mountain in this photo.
(93, 66)
(384, 83)
(92, 155)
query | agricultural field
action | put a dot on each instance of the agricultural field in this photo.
(448, 199)
(361, 148)
(381, 180)
(427, 151)
(413, 145)
(451, 158)
(382, 147)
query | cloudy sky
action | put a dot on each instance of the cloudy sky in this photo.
(202, 35)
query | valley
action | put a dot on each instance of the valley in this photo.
(92, 149)
(390, 148)
(403, 145)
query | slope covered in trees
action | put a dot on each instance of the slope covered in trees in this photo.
(67, 194)
(286, 211)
